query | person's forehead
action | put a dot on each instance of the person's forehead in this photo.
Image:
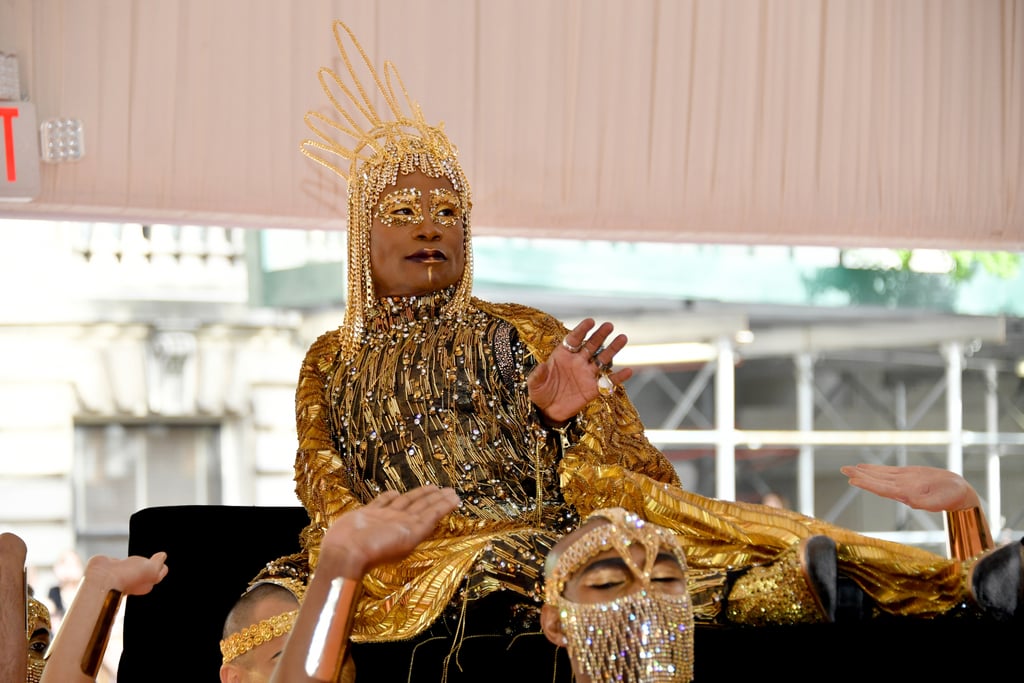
(273, 604)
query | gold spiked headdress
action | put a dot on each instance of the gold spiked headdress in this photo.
(369, 150)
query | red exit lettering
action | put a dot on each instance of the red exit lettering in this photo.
(7, 114)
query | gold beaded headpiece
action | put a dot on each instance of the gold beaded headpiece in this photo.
(369, 150)
(623, 530)
(237, 644)
(292, 574)
(37, 615)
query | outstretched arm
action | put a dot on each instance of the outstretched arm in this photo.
(934, 489)
(78, 649)
(922, 488)
(385, 530)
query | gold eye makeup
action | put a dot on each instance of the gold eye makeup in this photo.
(445, 207)
(400, 208)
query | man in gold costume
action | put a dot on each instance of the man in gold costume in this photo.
(425, 384)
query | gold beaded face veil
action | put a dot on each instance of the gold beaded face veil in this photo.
(643, 637)
(368, 151)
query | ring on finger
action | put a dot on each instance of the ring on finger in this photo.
(571, 348)
(602, 366)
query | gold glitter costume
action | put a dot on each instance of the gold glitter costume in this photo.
(424, 401)
(432, 389)
(436, 399)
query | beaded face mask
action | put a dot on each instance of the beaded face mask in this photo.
(645, 636)
(368, 151)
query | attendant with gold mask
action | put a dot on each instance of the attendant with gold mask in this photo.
(616, 598)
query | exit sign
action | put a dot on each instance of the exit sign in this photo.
(19, 151)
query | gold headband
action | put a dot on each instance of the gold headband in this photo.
(623, 530)
(237, 644)
(369, 150)
(292, 574)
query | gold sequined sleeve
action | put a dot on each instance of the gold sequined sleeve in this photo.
(320, 479)
(720, 534)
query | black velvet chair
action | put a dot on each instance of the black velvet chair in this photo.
(172, 634)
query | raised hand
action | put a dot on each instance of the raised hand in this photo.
(387, 528)
(134, 575)
(923, 488)
(577, 371)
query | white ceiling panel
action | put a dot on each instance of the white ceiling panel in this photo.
(845, 122)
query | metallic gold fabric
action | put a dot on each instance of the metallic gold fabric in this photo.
(423, 401)
(772, 594)
(720, 534)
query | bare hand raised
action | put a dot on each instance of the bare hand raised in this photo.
(134, 575)
(569, 378)
(387, 528)
(922, 488)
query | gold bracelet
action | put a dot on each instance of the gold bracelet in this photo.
(329, 643)
(967, 533)
(93, 656)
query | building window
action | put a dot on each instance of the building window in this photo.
(121, 468)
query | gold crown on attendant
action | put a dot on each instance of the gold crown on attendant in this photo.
(237, 644)
(290, 572)
(623, 530)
